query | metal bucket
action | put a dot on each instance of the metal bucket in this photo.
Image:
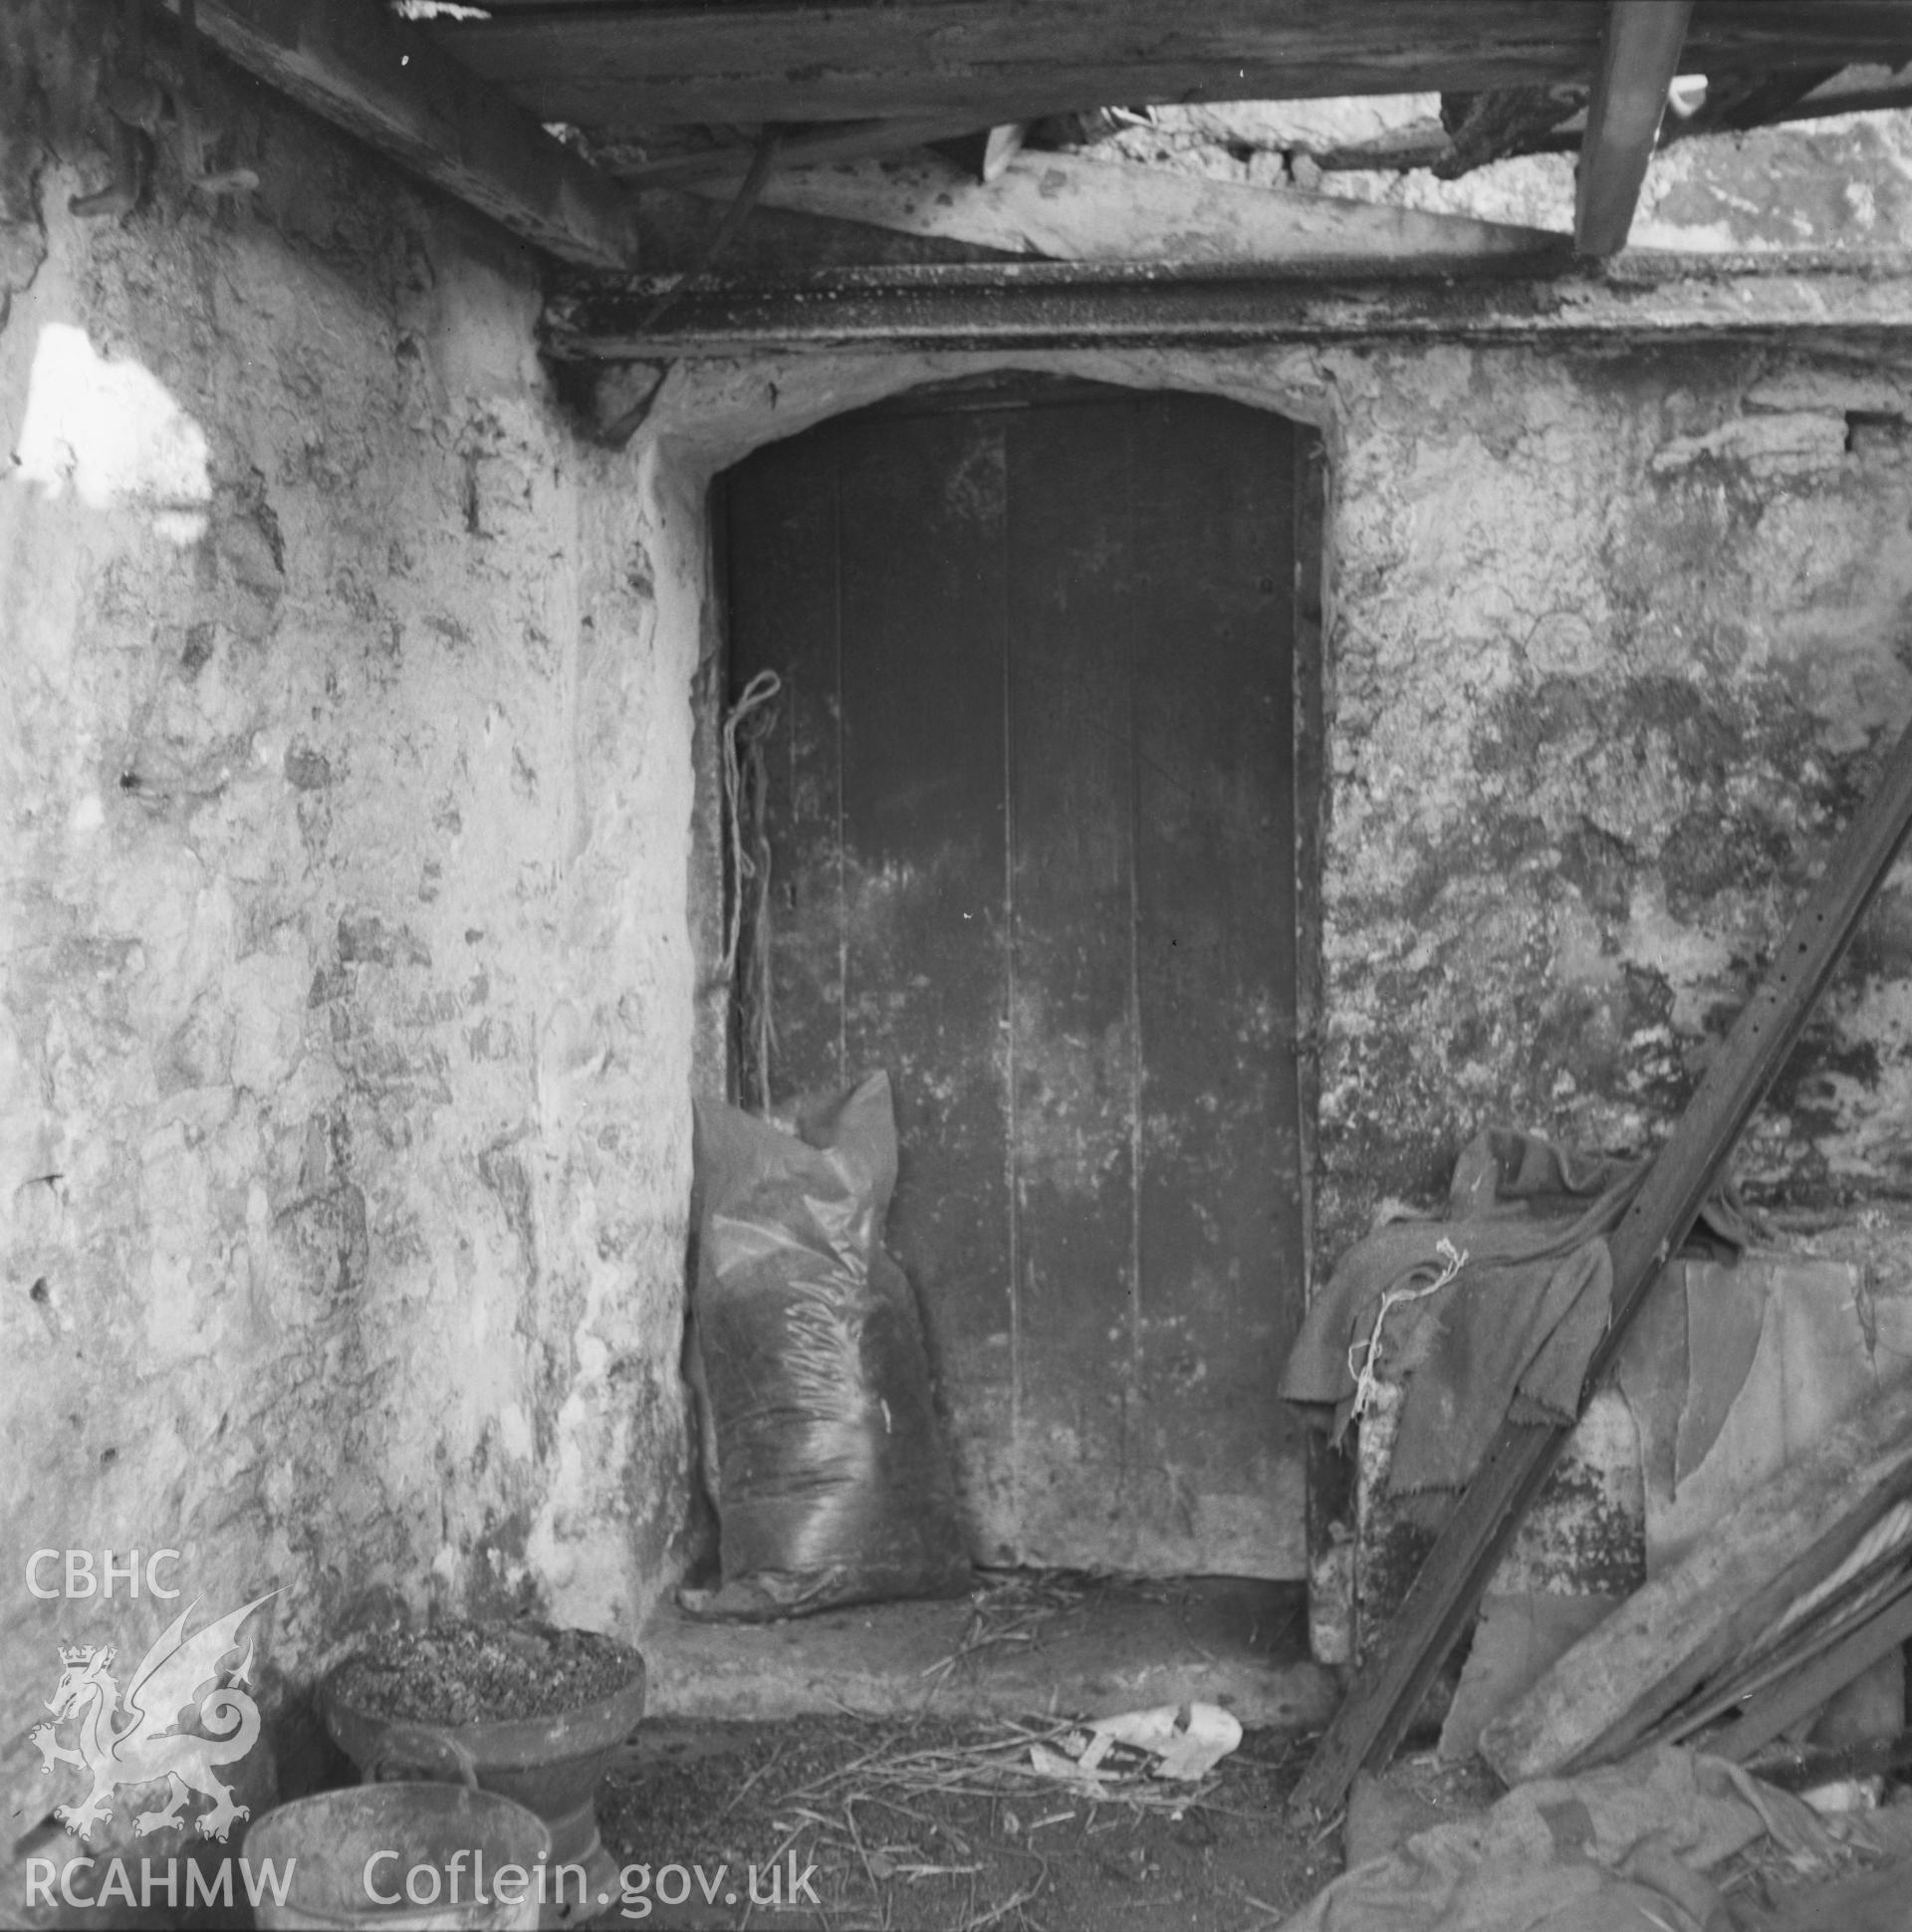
(385, 1858)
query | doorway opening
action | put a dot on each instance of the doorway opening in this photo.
(1041, 772)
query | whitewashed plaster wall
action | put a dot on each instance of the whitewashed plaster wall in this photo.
(1616, 641)
(344, 970)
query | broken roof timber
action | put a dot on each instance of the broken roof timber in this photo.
(608, 67)
(390, 84)
(1071, 208)
(1783, 100)
(1069, 305)
(1639, 55)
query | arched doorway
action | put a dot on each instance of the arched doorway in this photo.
(1032, 817)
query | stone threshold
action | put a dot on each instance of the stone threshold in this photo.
(1088, 1648)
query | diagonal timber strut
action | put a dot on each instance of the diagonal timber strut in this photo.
(1448, 1588)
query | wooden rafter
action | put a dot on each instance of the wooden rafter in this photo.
(1732, 104)
(397, 90)
(1071, 210)
(986, 62)
(813, 147)
(1639, 55)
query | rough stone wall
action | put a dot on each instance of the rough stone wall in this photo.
(1615, 643)
(344, 974)
(1620, 640)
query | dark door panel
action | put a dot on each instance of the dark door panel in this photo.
(1031, 817)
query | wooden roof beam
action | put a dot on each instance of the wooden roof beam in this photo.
(817, 145)
(1733, 103)
(395, 87)
(994, 60)
(1066, 208)
(1015, 306)
(1639, 55)
(636, 64)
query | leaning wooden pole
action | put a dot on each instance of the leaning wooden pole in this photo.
(1388, 1690)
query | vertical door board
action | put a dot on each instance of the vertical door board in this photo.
(1076, 1051)
(924, 934)
(1219, 1207)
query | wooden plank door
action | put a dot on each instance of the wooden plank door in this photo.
(1032, 822)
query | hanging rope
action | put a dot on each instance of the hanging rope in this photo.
(760, 691)
(1366, 1378)
(747, 897)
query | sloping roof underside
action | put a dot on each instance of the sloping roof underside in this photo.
(628, 70)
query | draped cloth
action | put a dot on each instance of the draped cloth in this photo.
(1626, 1848)
(1511, 1334)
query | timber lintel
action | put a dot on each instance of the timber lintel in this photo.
(1064, 305)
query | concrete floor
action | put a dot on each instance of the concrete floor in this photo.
(1018, 1646)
